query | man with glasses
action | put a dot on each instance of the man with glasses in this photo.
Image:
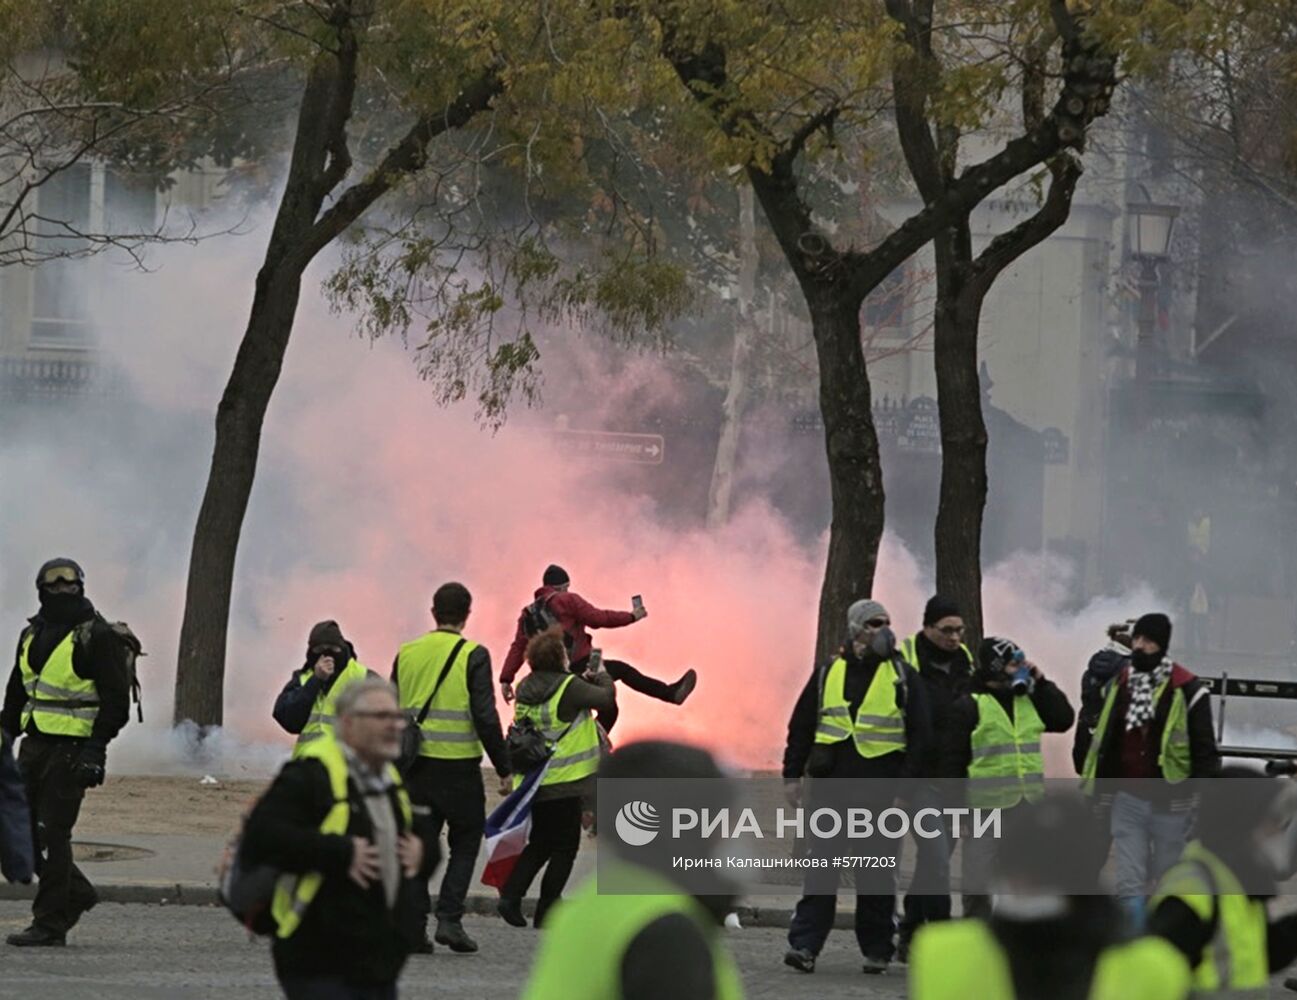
(862, 716)
(68, 696)
(338, 820)
(945, 666)
(308, 704)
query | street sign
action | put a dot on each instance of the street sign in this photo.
(642, 449)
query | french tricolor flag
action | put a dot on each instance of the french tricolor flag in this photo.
(507, 829)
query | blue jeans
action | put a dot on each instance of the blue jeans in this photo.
(1148, 843)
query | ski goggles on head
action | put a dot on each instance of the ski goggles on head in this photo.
(59, 574)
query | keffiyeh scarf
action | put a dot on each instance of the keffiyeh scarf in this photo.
(1142, 685)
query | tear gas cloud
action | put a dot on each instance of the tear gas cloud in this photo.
(369, 495)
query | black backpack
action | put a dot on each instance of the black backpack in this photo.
(131, 651)
(537, 618)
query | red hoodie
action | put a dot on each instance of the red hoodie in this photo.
(575, 614)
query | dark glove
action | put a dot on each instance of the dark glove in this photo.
(88, 768)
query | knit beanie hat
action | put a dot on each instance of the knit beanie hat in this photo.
(1155, 627)
(939, 607)
(555, 576)
(860, 613)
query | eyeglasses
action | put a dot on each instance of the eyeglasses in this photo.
(878, 622)
(952, 629)
(381, 716)
(59, 574)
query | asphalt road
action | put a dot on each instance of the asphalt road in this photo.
(139, 952)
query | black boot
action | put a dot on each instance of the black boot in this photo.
(684, 687)
(511, 910)
(37, 937)
(452, 934)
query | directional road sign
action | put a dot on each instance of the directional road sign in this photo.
(643, 449)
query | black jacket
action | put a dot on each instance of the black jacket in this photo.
(1204, 758)
(946, 678)
(1051, 705)
(102, 660)
(347, 931)
(481, 706)
(293, 706)
(844, 761)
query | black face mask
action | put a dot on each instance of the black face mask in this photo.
(1144, 662)
(64, 609)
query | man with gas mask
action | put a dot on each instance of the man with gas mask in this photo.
(69, 695)
(306, 706)
(1153, 734)
(992, 738)
(863, 716)
(1211, 904)
(1051, 935)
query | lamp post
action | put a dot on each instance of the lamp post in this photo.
(1150, 241)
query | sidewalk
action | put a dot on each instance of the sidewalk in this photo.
(180, 869)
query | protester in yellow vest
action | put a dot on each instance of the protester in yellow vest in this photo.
(641, 929)
(446, 781)
(68, 696)
(1049, 937)
(338, 824)
(560, 704)
(1153, 733)
(993, 739)
(1212, 903)
(864, 715)
(306, 705)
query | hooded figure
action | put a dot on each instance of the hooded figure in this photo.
(305, 707)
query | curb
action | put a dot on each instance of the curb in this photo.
(197, 894)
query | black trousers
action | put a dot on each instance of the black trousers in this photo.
(55, 799)
(623, 672)
(453, 794)
(552, 844)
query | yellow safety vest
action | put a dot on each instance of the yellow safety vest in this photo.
(879, 726)
(1173, 755)
(570, 966)
(910, 653)
(295, 893)
(1006, 766)
(448, 731)
(1237, 958)
(576, 754)
(59, 703)
(959, 959)
(323, 712)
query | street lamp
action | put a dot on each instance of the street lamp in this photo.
(1150, 242)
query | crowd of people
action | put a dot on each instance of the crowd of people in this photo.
(351, 827)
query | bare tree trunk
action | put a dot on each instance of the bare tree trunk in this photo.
(958, 531)
(855, 470)
(727, 448)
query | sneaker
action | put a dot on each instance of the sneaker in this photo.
(452, 934)
(799, 959)
(684, 687)
(875, 966)
(424, 947)
(37, 937)
(511, 911)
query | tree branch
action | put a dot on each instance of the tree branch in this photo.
(1065, 171)
(403, 158)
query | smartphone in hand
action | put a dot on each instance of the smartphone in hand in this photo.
(595, 663)
(637, 603)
